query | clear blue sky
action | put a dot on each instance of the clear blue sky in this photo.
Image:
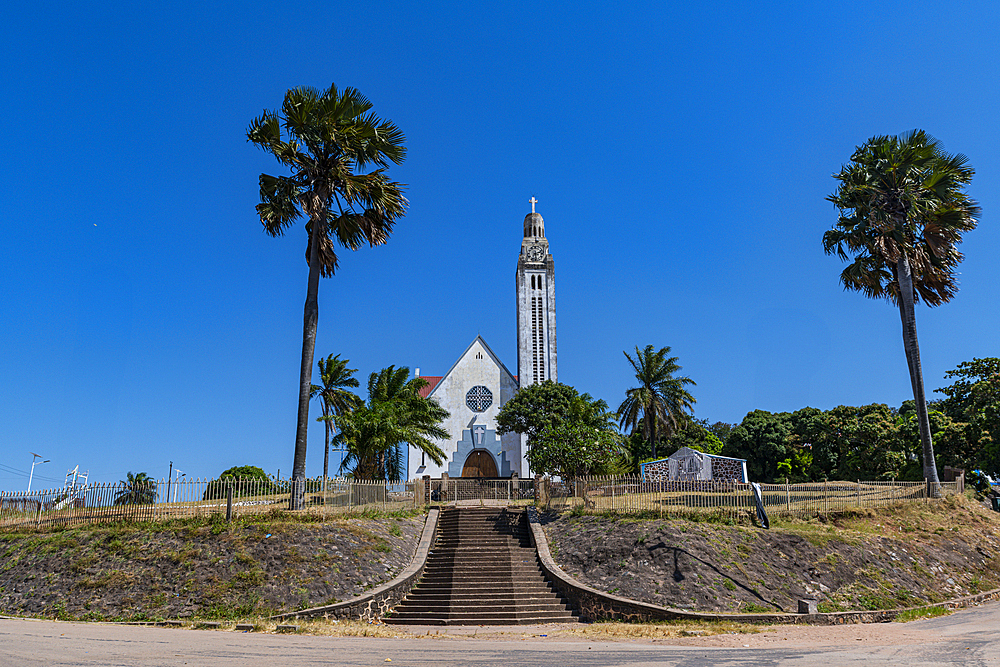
(680, 154)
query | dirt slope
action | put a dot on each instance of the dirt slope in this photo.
(199, 569)
(917, 553)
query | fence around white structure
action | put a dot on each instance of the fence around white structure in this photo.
(160, 499)
(633, 495)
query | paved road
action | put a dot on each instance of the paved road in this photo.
(969, 637)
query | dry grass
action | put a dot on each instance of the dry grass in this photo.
(587, 631)
(615, 630)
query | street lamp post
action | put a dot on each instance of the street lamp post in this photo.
(177, 478)
(33, 464)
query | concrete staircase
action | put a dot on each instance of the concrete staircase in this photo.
(482, 571)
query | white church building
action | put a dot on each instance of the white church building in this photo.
(478, 384)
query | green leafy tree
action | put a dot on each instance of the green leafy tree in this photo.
(870, 442)
(335, 399)
(548, 411)
(951, 446)
(537, 406)
(816, 454)
(573, 449)
(137, 489)
(660, 402)
(244, 480)
(338, 152)
(721, 430)
(973, 399)
(902, 212)
(549, 404)
(375, 433)
(695, 435)
(797, 468)
(762, 438)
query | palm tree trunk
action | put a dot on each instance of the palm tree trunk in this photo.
(908, 316)
(309, 321)
(326, 452)
(650, 430)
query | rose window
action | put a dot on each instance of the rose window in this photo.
(479, 398)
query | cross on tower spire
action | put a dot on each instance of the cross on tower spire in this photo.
(532, 201)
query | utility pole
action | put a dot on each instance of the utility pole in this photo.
(170, 475)
(33, 464)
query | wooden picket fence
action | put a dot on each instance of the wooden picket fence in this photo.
(634, 495)
(160, 500)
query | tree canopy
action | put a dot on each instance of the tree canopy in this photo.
(375, 434)
(243, 480)
(902, 212)
(337, 151)
(334, 397)
(568, 433)
(660, 403)
(973, 401)
(136, 489)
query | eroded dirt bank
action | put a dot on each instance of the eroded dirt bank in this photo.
(199, 569)
(871, 559)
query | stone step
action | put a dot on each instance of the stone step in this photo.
(479, 546)
(452, 588)
(510, 570)
(473, 556)
(499, 581)
(480, 584)
(416, 607)
(516, 568)
(481, 570)
(500, 604)
(461, 594)
(486, 618)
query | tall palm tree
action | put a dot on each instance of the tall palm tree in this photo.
(902, 212)
(327, 139)
(334, 398)
(137, 489)
(395, 414)
(660, 398)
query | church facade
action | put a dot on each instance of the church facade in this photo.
(478, 384)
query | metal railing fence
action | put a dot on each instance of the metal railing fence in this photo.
(159, 500)
(473, 490)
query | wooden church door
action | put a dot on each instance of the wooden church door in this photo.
(479, 464)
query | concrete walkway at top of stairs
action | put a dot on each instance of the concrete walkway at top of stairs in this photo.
(480, 502)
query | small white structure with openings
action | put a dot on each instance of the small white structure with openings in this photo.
(688, 464)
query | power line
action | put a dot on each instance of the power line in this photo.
(15, 471)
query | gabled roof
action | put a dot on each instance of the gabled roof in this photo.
(433, 380)
(489, 351)
(687, 451)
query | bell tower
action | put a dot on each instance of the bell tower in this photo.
(536, 304)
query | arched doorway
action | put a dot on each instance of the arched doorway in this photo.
(479, 464)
